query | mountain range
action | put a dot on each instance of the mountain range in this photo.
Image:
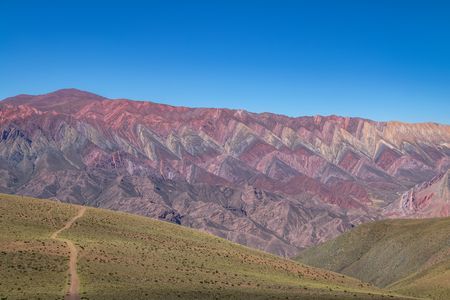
(271, 182)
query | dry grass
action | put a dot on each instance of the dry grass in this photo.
(408, 256)
(123, 256)
(32, 266)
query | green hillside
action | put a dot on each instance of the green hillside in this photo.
(408, 256)
(122, 256)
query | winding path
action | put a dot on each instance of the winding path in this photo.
(73, 292)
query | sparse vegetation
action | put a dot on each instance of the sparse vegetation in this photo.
(32, 266)
(123, 256)
(408, 256)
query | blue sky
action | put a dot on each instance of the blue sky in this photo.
(384, 60)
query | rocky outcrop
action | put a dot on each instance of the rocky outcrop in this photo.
(268, 181)
(425, 200)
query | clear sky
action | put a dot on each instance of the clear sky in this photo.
(384, 59)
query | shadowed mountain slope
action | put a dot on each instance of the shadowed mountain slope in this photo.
(267, 181)
(409, 256)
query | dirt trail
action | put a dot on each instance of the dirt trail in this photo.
(73, 292)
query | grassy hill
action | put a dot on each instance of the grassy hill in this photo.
(122, 256)
(408, 256)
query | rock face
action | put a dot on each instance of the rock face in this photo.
(267, 181)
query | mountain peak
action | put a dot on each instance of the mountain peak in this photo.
(63, 100)
(74, 92)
